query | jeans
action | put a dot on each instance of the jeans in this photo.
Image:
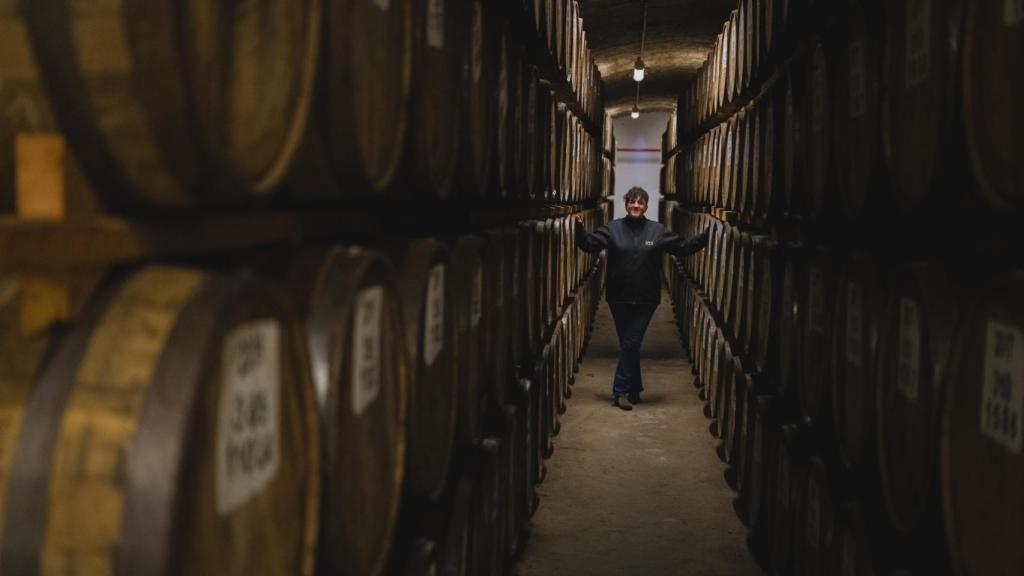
(631, 321)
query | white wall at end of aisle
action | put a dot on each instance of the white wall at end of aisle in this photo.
(641, 169)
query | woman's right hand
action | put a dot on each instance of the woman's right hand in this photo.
(579, 218)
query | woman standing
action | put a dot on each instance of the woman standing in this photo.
(635, 245)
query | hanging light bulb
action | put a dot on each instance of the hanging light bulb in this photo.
(635, 113)
(638, 70)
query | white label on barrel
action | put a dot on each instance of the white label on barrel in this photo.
(435, 24)
(1002, 396)
(478, 42)
(857, 87)
(382, 4)
(366, 356)
(433, 325)
(849, 555)
(1013, 12)
(477, 299)
(816, 300)
(908, 376)
(247, 422)
(918, 42)
(854, 324)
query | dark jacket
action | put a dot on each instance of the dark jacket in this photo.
(635, 246)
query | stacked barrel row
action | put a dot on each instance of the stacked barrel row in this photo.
(843, 114)
(332, 409)
(560, 26)
(316, 101)
(852, 348)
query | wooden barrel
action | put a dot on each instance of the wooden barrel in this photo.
(816, 520)
(816, 334)
(534, 457)
(732, 289)
(453, 556)
(789, 476)
(488, 512)
(495, 324)
(532, 143)
(469, 354)
(819, 126)
(741, 297)
(546, 375)
(915, 340)
(981, 468)
(479, 84)
(189, 396)
(919, 86)
(795, 138)
(748, 181)
(434, 120)
(514, 438)
(425, 288)
(992, 91)
(760, 501)
(529, 287)
(22, 96)
(21, 356)
(747, 406)
(734, 405)
(857, 110)
(722, 388)
(850, 550)
(857, 326)
(358, 361)
(220, 121)
(791, 312)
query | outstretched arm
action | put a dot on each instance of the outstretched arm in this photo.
(591, 242)
(678, 247)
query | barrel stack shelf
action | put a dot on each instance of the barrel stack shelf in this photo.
(284, 339)
(858, 308)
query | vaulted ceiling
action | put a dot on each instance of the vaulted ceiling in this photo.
(680, 33)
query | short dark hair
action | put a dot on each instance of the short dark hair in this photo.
(637, 192)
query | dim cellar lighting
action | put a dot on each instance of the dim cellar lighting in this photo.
(638, 70)
(635, 113)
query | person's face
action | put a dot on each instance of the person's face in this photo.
(636, 207)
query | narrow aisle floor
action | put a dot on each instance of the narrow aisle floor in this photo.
(640, 492)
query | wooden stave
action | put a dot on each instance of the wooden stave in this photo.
(784, 508)
(850, 551)
(814, 528)
(435, 122)
(816, 327)
(429, 442)
(22, 356)
(791, 312)
(152, 503)
(820, 179)
(348, 110)
(855, 427)
(23, 96)
(794, 139)
(479, 84)
(979, 478)
(468, 269)
(328, 282)
(910, 428)
(915, 125)
(496, 283)
(989, 91)
(856, 135)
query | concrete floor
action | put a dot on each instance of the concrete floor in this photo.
(641, 492)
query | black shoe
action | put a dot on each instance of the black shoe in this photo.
(622, 403)
(634, 397)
